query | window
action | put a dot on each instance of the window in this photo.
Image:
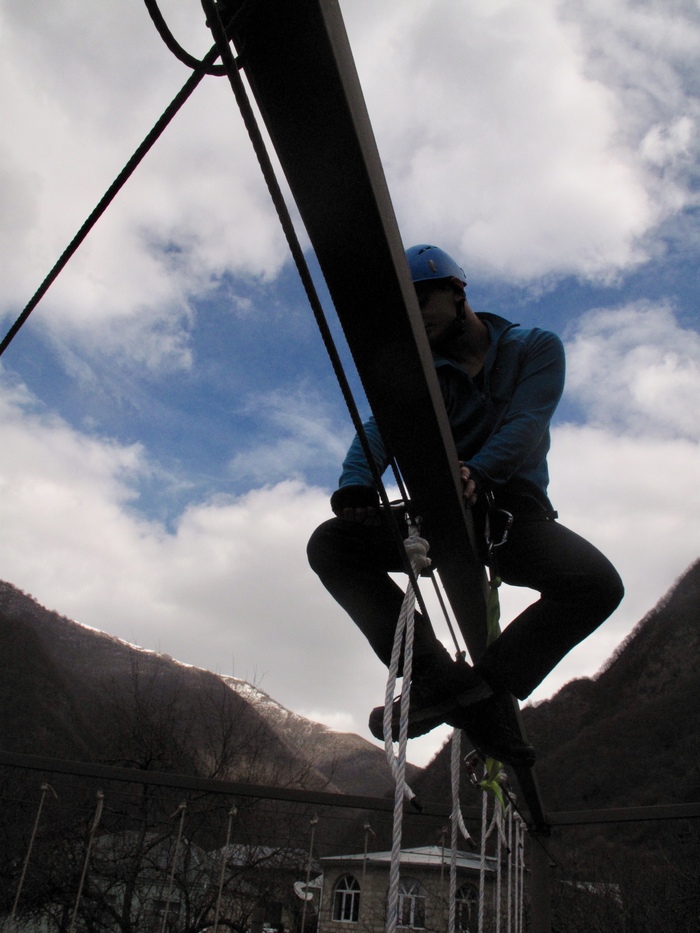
(411, 903)
(466, 901)
(346, 899)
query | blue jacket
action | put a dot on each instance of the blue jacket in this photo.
(501, 426)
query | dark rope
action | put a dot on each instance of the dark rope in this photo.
(219, 33)
(172, 43)
(112, 191)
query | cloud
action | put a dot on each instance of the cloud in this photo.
(532, 140)
(228, 587)
(512, 141)
(79, 94)
(635, 369)
(294, 433)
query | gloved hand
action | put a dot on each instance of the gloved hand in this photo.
(356, 504)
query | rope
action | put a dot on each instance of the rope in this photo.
(312, 823)
(482, 863)
(44, 790)
(182, 809)
(232, 812)
(116, 186)
(456, 823)
(218, 31)
(172, 43)
(417, 551)
(93, 830)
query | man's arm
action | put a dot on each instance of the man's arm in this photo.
(525, 421)
(357, 499)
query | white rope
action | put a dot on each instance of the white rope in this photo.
(313, 822)
(521, 873)
(498, 818)
(224, 859)
(182, 809)
(417, 550)
(482, 862)
(93, 830)
(510, 880)
(45, 788)
(457, 823)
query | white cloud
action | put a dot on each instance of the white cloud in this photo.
(536, 143)
(533, 142)
(229, 589)
(295, 432)
(79, 93)
(636, 369)
(512, 142)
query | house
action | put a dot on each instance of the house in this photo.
(355, 890)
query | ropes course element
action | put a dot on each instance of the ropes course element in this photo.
(417, 551)
(508, 826)
(313, 823)
(182, 810)
(224, 859)
(456, 824)
(88, 851)
(218, 30)
(45, 788)
(174, 46)
(116, 186)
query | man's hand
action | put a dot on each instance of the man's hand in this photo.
(361, 515)
(468, 484)
(356, 504)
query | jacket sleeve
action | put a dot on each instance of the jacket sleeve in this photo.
(521, 434)
(356, 471)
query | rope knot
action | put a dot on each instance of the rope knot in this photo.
(417, 550)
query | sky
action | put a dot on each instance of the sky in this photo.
(171, 427)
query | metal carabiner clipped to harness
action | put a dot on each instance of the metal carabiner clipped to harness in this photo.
(498, 525)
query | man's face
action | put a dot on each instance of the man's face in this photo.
(438, 307)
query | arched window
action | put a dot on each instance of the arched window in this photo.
(411, 903)
(346, 899)
(466, 900)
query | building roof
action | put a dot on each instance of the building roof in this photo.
(424, 856)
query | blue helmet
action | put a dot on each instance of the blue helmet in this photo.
(430, 262)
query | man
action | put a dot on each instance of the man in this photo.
(501, 384)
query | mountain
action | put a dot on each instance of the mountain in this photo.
(70, 691)
(628, 737)
(615, 740)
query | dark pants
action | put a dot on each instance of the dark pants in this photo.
(579, 588)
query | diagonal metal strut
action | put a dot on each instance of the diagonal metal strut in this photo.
(298, 62)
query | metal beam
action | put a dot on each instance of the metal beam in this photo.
(298, 62)
(297, 59)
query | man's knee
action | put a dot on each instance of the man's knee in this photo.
(320, 549)
(610, 591)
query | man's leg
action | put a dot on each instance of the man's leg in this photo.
(353, 562)
(579, 589)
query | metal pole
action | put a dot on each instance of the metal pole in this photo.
(308, 897)
(540, 885)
